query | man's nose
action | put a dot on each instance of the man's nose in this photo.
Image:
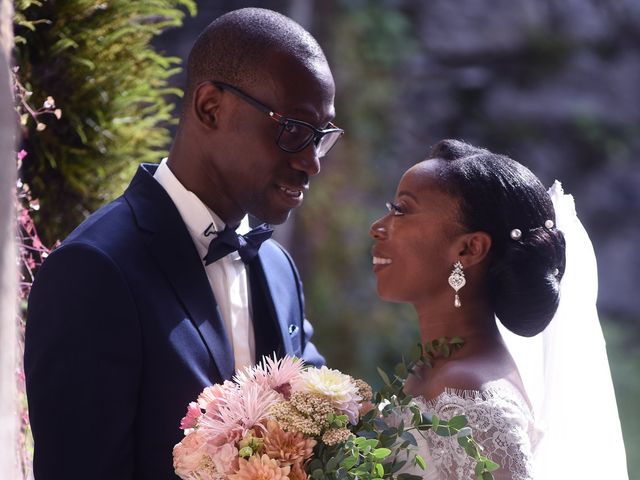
(307, 160)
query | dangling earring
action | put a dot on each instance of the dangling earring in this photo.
(457, 281)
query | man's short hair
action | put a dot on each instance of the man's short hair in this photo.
(235, 47)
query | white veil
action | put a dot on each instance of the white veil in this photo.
(565, 370)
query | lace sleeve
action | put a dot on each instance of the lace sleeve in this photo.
(502, 424)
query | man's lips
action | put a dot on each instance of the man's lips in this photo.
(294, 192)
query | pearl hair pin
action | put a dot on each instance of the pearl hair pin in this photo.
(516, 233)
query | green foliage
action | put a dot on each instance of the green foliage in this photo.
(94, 58)
(385, 438)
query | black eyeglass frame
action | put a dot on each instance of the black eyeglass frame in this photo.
(284, 122)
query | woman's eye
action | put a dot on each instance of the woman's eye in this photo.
(395, 209)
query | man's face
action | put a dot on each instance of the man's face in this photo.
(254, 173)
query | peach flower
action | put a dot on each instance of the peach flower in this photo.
(287, 447)
(260, 468)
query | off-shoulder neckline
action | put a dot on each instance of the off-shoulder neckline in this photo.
(489, 391)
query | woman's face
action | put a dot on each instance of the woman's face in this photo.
(414, 249)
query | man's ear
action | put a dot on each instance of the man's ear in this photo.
(205, 104)
(473, 247)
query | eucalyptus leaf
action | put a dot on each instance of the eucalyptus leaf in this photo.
(332, 464)
(349, 462)
(416, 353)
(395, 466)
(408, 476)
(401, 371)
(409, 438)
(491, 465)
(381, 453)
(458, 422)
(385, 377)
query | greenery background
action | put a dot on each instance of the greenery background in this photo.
(554, 84)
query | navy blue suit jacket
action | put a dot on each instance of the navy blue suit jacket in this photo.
(123, 331)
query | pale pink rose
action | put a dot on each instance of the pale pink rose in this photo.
(225, 458)
(190, 455)
(190, 420)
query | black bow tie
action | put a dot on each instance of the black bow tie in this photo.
(229, 241)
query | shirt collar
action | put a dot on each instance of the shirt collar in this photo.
(199, 219)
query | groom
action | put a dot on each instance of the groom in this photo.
(156, 295)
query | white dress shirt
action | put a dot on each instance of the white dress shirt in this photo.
(227, 276)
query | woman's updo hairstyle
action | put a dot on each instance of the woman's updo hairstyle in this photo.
(497, 195)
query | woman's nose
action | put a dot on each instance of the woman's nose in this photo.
(378, 230)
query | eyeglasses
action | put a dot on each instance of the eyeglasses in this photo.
(293, 135)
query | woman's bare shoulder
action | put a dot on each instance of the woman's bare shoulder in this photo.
(469, 373)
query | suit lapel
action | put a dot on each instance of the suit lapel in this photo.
(276, 282)
(172, 246)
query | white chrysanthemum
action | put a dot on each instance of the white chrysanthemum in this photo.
(334, 385)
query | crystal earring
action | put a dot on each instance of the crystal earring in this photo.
(457, 281)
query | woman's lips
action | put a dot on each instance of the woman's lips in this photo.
(381, 261)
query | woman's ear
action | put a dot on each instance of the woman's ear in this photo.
(206, 104)
(473, 247)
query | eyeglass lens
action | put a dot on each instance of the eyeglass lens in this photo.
(294, 137)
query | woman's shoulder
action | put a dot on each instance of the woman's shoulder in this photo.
(474, 373)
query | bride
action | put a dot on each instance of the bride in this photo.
(472, 236)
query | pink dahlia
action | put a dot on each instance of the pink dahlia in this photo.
(272, 372)
(245, 408)
(212, 396)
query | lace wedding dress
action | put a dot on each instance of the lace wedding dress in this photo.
(502, 424)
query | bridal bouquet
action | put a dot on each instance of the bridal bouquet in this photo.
(267, 422)
(282, 420)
